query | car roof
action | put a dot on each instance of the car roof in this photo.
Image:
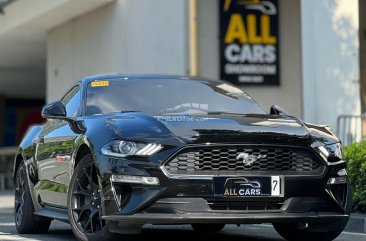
(86, 80)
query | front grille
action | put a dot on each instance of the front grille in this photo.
(224, 161)
(241, 205)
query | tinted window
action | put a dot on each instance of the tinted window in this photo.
(72, 102)
(168, 96)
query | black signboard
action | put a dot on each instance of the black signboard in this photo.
(249, 37)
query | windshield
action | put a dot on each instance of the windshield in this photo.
(168, 96)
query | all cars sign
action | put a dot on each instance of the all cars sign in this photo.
(249, 42)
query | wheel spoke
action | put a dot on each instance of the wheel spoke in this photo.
(19, 189)
(23, 182)
(82, 210)
(96, 216)
(86, 201)
(80, 186)
(20, 185)
(93, 212)
(91, 172)
(21, 178)
(18, 203)
(100, 219)
(91, 224)
(82, 193)
(87, 175)
(88, 223)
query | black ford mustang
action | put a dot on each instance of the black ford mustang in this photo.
(118, 152)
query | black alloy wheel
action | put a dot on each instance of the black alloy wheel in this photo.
(25, 220)
(324, 231)
(19, 195)
(85, 203)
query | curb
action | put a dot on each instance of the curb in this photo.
(356, 223)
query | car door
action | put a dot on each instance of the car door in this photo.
(55, 148)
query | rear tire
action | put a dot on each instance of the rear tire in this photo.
(325, 231)
(25, 220)
(201, 227)
(84, 204)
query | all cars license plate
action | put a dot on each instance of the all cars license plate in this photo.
(248, 186)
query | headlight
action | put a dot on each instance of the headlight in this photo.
(332, 153)
(130, 148)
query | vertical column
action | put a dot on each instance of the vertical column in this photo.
(2, 111)
(308, 69)
(362, 37)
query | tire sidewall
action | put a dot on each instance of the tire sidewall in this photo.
(288, 231)
(30, 223)
(77, 232)
(26, 200)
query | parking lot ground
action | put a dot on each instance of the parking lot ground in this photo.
(61, 232)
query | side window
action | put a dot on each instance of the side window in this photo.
(72, 102)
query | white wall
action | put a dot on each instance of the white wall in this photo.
(139, 36)
(330, 59)
(289, 94)
(318, 50)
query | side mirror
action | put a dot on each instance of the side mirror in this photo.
(276, 110)
(55, 110)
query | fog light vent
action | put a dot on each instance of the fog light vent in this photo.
(135, 179)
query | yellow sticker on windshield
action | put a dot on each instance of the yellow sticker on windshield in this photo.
(100, 83)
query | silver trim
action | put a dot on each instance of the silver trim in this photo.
(324, 156)
(331, 163)
(167, 202)
(335, 163)
(337, 180)
(114, 194)
(192, 177)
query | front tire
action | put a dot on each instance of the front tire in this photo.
(201, 227)
(25, 221)
(325, 231)
(84, 203)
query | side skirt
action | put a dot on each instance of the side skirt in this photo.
(59, 214)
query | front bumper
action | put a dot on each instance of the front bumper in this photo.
(185, 201)
(254, 218)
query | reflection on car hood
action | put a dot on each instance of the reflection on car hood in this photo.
(241, 128)
(220, 128)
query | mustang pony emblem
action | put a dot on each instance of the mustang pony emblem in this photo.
(248, 159)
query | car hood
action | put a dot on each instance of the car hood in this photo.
(223, 128)
(236, 128)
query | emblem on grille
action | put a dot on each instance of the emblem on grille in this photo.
(248, 159)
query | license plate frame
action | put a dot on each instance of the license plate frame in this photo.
(248, 186)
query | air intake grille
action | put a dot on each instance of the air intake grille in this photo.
(226, 161)
(242, 205)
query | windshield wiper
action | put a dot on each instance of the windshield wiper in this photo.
(129, 111)
(224, 113)
(203, 113)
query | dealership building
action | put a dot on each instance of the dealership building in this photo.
(307, 56)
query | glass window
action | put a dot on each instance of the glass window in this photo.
(169, 96)
(72, 102)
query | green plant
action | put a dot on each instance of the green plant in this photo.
(355, 155)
